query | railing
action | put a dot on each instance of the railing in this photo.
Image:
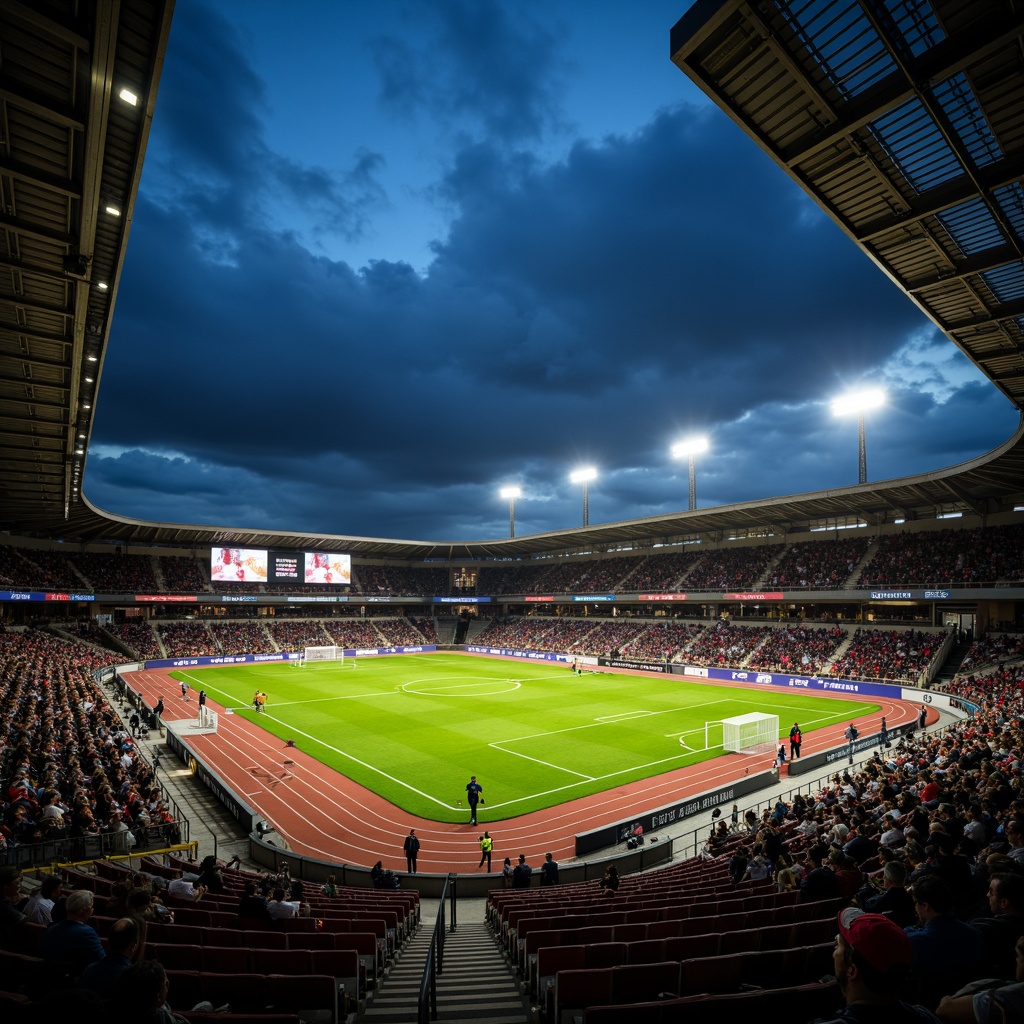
(427, 1004)
(689, 844)
(69, 850)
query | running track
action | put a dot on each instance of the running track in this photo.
(325, 815)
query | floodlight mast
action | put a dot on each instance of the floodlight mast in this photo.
(689, 449)
(584, 476)
(511, 493)
(859, 402)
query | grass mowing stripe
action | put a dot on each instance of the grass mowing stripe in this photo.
(415, 727)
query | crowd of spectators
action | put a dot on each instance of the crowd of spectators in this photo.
(189, 639)
(723, 644)
(138, 637)
(803, 650)
(929, 833)
(993, 649)
(610, 637)
(661, 640)
(732, 568)
(947, 557)
(532, 633)
(399, 580)
(352, 633)
(182, 575)
(111, 573)
(240, 637)
(295, 634)
(823, 565)
(400, 632)
(69, 769)
(664, 572)
(887, 654)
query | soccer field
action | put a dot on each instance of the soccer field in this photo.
(414, 728)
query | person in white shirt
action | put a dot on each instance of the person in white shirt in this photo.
(183, 887)
(280, 909)
(39, 907)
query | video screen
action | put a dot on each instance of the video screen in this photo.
(325, 567)
(252, 565)
(238, 565)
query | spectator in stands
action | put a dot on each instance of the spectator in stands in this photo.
(39, 907)
(988, 1001)
(941, 943)
(210, 876)
(610, 881)
(738, 864)
(1002, 930)
(74, 940)
(872, 959)
(506, 872)
(329, 888)
(10, 894)
(522, 874)
(758, 868)
(549, 870)
(893, 900)
(281, 909)
(122, 946)
(141, 994)
(186, 889)
(819, 883)
(253, 905)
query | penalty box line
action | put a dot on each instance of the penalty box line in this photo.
(598, 723)
(537, 760)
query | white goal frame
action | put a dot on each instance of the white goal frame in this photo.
(754, 733)
(326, 653)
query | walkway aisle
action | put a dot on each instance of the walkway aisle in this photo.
(477, 985)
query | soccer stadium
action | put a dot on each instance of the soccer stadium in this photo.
(764, 755)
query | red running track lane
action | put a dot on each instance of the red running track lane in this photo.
(325, 815)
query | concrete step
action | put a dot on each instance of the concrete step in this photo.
(476, 986)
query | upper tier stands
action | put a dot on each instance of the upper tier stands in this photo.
(946, 557)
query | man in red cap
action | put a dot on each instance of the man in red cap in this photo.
(872, 960)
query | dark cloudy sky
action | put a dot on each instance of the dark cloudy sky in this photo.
(390, 256)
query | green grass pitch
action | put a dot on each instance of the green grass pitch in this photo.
(414, 728)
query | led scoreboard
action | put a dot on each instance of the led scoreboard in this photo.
(258, 565)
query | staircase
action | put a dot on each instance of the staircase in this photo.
(957, 653)
(477, 985)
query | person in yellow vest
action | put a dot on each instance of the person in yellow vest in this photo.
(486, 846)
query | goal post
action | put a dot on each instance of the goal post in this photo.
(754, 733)
(332, 653)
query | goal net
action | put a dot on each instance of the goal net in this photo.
(756, 733)
(311, 654)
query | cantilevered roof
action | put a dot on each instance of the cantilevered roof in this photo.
(71, 148)
(904, 120)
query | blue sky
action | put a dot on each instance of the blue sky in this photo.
(388, 257)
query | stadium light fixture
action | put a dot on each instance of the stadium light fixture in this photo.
(584, 475)
(511, 493)
(129, 97)
(690, 449)
(859, 402)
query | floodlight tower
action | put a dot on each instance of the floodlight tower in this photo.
(511, 493)
(859, 402)
(690, 448)
(584, 476)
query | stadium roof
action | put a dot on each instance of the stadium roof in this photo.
(904, 121)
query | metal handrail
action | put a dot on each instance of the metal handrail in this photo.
(427, 1002)
(690, 840)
